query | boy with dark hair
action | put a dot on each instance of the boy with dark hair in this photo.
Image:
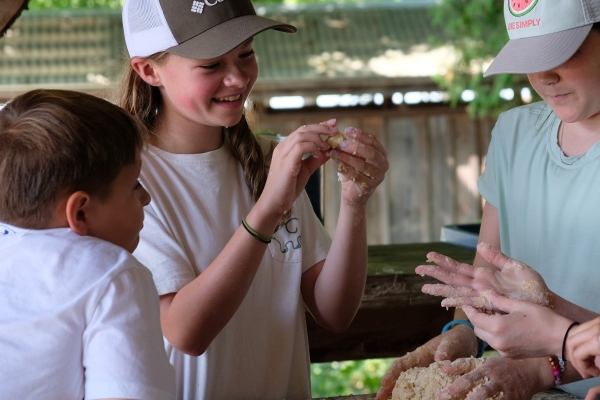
(79, 316)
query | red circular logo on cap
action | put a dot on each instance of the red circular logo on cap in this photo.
(518, 8)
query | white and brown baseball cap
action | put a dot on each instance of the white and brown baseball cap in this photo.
(199, 29)
(543, 34)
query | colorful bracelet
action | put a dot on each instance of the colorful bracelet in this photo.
(262, 238)
(556, 370)
(481, 345)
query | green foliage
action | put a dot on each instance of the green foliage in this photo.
(345, 378)
(70, 4)
(476, 29)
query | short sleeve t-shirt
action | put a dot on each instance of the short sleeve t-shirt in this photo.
(548, 204)
(79, 317)
(198, 202)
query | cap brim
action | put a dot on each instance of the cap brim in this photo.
(226, 36)
(538, 53)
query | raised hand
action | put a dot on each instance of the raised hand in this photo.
(361, 162)
(583, 349)
(506, 276)
(457, 342)
(497, 377)
(290, 168)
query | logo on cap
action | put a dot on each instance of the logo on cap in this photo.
(518, 8)
(198, 6)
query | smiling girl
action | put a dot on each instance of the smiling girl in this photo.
(236, 251)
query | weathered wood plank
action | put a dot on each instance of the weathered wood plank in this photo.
(552, 394)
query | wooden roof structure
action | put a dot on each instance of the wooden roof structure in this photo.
(349, 46)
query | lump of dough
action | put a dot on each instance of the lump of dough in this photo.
(426, 383)
(336, 140)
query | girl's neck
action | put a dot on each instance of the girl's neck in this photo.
(578, 137)
(181, 136)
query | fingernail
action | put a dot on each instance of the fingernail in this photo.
(352, 131)
(335, 153)
(344, 144)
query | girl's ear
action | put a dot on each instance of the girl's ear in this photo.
(77, 210)
(145, 70)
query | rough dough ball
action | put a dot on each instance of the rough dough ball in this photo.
(335, 141)
(426, 383)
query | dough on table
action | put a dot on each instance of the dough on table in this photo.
(426, 383)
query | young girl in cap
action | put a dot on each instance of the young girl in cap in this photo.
(541, 186)
(234, 246)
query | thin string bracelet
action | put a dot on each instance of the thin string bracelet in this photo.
(262, 238)
(562, 360)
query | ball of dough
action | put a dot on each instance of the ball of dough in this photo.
(426, 383)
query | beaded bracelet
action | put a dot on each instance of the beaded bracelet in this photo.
(556, 370)
(262, 238)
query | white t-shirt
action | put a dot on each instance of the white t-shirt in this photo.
(198, 202)
(78, 317)
(548, 205)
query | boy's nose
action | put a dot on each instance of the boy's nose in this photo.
(145, 196)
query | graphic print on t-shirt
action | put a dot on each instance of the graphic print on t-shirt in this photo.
(289, 237)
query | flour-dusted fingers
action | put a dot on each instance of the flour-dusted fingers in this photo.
(307, 139)
(456, 343)
(477, 302)
(444, 275)
(420, 357)
(515, 379)
(437, 289)
(485, 391)
(450, 264)
(365, 146)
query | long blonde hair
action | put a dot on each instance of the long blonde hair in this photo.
(145, 101)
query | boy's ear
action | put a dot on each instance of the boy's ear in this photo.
(145, 70)
(77, 210)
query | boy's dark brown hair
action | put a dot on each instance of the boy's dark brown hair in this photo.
(56, 142)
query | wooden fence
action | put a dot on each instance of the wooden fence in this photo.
(436, 154)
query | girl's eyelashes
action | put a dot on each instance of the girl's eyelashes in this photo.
(247, 54)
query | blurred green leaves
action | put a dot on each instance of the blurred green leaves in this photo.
(343, 378)
(476, 29)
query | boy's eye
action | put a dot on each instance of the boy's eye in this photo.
(138, 185)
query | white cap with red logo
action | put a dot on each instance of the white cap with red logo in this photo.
(543, 34)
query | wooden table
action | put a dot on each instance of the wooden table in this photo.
(395, 316)
(552, 394)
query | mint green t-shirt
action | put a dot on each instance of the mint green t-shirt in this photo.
(548, 204)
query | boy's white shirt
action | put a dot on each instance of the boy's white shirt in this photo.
(78, 317)
(549, 211)
(198, 202)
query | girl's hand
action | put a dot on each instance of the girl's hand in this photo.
(583, 349)
(457, 342)
(506, 276)
(515, 379)
(290, 166)
(361, 163)
(524, 330)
